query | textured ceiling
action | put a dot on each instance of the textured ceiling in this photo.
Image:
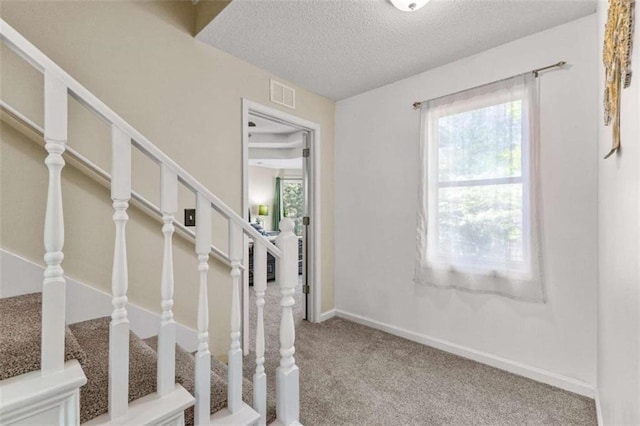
(339, 48)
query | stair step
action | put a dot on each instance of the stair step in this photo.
(185, 374)
(152, 410)
(21, 336)
(93, 337)
(88, 341)
(245, 416)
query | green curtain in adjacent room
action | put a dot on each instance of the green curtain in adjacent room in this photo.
(276, 207)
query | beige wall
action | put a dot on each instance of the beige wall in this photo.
(141, 60)
(206, 10)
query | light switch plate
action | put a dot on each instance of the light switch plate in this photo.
(189, 217)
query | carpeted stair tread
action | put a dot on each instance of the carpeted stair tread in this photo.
(20, 336)
(93, 337)
(185, 375)
(88, 342)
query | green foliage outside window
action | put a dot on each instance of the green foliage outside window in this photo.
(480, 195)
(481, 222)
(293, 203)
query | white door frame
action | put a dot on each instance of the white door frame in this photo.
(314, 246)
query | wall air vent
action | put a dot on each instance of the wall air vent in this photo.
(283, 95)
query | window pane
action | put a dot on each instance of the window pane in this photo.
(481, 223)
(292, 203)
(481, 144)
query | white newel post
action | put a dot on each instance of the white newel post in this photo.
(234, 391)
(167, 333)
(287, 375)
(260, 286)
(119, 327)
(203, 356)
(53, 286)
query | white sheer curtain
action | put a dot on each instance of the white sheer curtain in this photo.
(479, 225)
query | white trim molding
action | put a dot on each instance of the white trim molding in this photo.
(533, 373)
(315, 178)
(36, 398)
(327, 315)
(598, 408)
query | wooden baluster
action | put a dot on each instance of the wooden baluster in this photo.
(119, 327)
(287, 375)
(167, 333)
(203, 356)
(260, 286)
(234, 391)
(53, 286)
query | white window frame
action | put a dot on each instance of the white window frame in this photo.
(470, 264)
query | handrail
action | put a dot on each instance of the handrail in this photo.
(58, 86)
(43, 63)
(105, 178)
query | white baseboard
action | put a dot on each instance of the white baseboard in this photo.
(537, 374)
(21, 276)
(327, 315)
(598, 408)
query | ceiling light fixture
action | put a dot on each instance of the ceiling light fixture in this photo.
(408, 5)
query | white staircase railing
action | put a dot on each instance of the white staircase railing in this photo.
(260, 287)
(167, 332)
(203, 357)
(287, 377)
(53, 287)
(236, 241)
(119, 327)
(58, 85)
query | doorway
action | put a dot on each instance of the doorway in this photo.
(280, 163)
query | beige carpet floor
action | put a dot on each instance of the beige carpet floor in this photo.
(355, 375)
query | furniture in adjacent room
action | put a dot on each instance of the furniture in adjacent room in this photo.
(271, 261)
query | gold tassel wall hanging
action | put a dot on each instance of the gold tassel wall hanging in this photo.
(616, 56)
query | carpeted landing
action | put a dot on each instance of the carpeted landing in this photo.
(349, 374)
(354, 375)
